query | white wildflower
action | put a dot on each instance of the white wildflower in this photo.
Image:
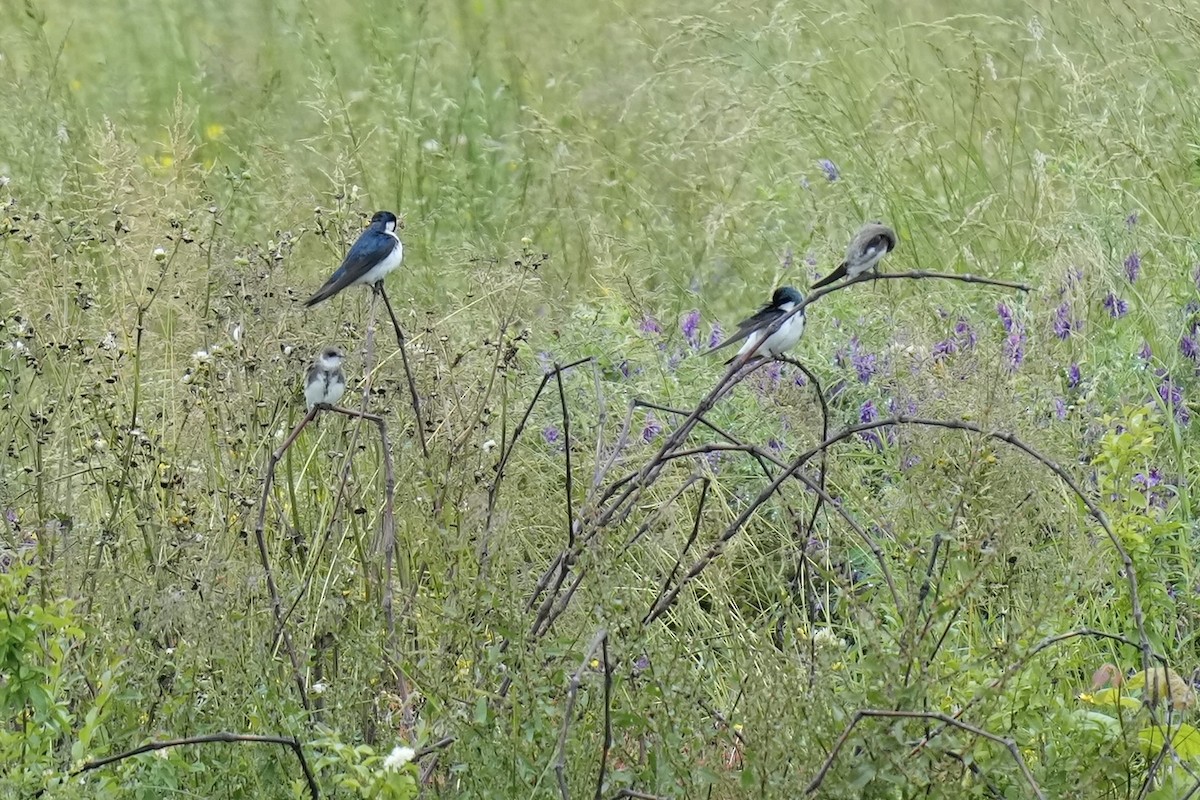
(160, 254)
(488, 445)
(399, 756)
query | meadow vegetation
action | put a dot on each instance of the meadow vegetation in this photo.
(607, 185)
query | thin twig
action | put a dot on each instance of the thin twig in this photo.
(608, 729)
(281, 630)
(687, 545)
(566, 420)
(494, 488)
(412, 383)
(560, 762)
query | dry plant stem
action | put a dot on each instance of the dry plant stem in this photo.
(281, 630)
(560, 762)
(635, 795)
(608, 730)
(566, 421)
(656, 515)
(601, 419)
(686, 547)
(862, 714)
(761, 457)
(387, 537)
(412, 383)
(291, 743)
(824, 431)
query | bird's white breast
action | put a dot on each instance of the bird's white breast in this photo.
(393, 259)
(780, 341)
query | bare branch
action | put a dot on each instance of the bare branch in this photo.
(560, 763)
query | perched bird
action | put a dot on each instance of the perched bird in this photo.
(872, 242)
(376, 253)
(754, 329)
(324, 384)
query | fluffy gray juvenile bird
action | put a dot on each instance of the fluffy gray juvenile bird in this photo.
(325, 383)
(872, 242)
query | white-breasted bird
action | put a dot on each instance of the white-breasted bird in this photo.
(754, 329)
(377, 252)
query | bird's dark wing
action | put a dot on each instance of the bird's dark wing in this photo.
(765, 316)
(371, 248)
(313, 369)
(837, 274)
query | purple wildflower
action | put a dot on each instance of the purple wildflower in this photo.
(1172, 396)
(691, 328)
(673, 361)
(714, 335)
(1133, 265)
(1062, 322)
(1144, 351)
(943, 350)
(909, 461)
(1006, 316)
(650, 325)
(1131, 220)
(830, 169)
(800, 380)
(864, 365)
(1014, 349)
(1073, 376)
(1189, 348)
(551, 434)
(1117, 307)
(775, 445)
(810, 258)
(788, 259)
(1060, 408)
(867, 413)
(1149, 480)
(965, 333)
(774, 371)
(623, 368)
(651, 431)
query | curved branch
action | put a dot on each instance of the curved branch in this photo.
(286, 741)
(1008, 438)
(865, 713)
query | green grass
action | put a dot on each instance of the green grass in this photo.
(566, 171)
